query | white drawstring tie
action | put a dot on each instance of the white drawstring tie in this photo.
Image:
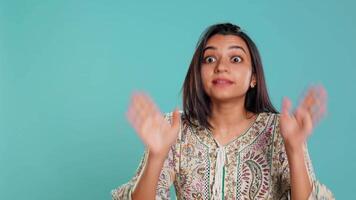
(219, 170)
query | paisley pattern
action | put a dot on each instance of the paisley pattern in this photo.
(256, 165)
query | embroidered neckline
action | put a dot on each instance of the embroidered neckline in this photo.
(246, 131)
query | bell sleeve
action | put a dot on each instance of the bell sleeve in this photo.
(166, 177)
(319, 190)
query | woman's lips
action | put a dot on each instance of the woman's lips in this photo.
(222, 82)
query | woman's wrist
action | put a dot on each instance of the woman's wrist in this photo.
(295, 153)
(157, 157)
(293, 147)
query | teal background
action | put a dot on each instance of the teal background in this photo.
(67, 69)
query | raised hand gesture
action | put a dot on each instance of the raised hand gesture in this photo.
(154, 130)
(297, 126)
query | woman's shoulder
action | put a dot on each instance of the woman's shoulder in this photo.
(269, 121)
(268, 113)
(273, 123)
(263, 116)
(168, 115)
(266, 117)
(183, 119)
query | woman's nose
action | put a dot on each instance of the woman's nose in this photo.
(221, 67)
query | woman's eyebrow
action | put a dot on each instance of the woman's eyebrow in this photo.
(209, 47)
(237, 47)
(231, 47)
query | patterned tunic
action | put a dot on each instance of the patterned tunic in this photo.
(252, 166)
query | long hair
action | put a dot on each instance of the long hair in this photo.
(197, 104)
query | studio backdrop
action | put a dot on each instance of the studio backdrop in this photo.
(68, 68)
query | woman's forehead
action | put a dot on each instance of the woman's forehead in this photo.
(220, 40)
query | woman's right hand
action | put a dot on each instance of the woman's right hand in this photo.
(154, 130)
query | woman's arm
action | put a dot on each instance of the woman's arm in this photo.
(158, 134)
(147, 183)
(301, 186)
(295, 129)
(290, 176)
(165, 180)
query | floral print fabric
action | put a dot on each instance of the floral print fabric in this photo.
(255, 166)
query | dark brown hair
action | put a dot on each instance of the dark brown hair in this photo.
(196, 103)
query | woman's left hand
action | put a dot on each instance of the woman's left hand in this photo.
(297, 126)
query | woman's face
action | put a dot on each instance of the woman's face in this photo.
(226, 69)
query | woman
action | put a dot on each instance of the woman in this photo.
(229, 142)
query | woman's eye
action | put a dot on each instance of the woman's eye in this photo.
(209, 59)
(236, 59)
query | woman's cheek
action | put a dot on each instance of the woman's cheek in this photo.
(204, 79)
(204, 75)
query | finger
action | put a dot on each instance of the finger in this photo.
(311, 101)
(319, 108)
(150, 117)
(319, 115)
(153, 107)
(137, 113)
(306, 121)
(176, 119)
(148, 106)
(145, 107)
(136, 109)
(316, 92)
(286, 106)
(131, 113)
(298, 114)
(141, 104)
(307, 99)
(134, 119)
(152, 113)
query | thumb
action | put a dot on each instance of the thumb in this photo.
(307, 124)
(286, 106)
(176, 119)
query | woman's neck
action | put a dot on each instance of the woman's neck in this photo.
(229, 117)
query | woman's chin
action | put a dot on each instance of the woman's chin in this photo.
(223, 98)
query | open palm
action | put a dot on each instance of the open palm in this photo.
(297, 126)
(151, 126)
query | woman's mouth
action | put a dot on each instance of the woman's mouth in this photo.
(222, 82)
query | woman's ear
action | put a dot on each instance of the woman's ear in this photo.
(253, 81)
